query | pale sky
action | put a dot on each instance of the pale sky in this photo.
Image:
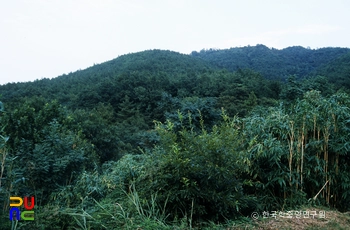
(48, 38)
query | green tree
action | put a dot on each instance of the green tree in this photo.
(198, 175)
(292, 90)
(47, 153)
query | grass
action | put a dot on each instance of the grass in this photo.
(143, 219)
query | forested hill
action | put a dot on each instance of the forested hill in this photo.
(133, 90)
(272, 63)
(208, 73)
(269, 62)
(337, 71)
(146, 63)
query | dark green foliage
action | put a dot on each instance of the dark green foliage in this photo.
(241, 91)
(56, 160)
(194, 109)
(338, 72)
(272, 63)
(292, 90)
(47, 153)
(319, 83)
(198, 175)
(98, 127)
(85, 145)
(26, 121)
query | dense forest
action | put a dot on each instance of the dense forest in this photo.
(163, 140)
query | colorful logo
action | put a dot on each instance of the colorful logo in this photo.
(28, 214)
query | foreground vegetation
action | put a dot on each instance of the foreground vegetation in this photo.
(156, 148)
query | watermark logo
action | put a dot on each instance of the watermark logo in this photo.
(16, 214)
(298, 214)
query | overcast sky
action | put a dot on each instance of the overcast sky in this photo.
(47, 38)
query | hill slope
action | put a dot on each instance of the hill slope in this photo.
(337, 71)
(151, 62)
(272, 63)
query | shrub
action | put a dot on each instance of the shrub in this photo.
(198, 175)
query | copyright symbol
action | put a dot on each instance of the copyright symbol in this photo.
(255, 215)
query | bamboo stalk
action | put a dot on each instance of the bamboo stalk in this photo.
(291, 136)
(302, 155)
(336, 163)
(326, 159)
(302, 162)
(2, 164)
(320, 190)
(314, 126)
(329, 190)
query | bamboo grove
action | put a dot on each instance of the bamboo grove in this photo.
(303, 150)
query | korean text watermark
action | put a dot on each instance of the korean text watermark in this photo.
(296, 214)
